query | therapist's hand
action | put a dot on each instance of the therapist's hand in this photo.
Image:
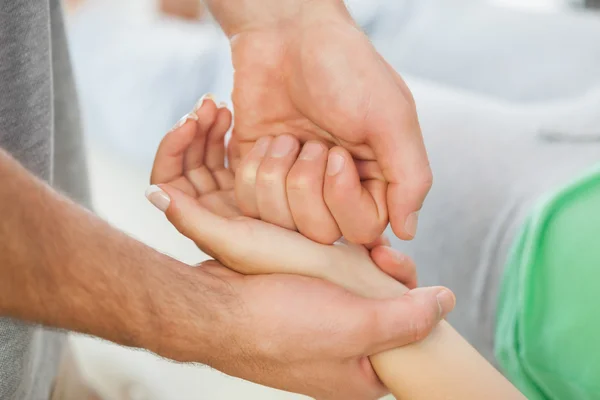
(304, 68)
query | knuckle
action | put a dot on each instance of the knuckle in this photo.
(364, 233)
(268, 176)
(247, 173)
(298, 181)
(424, 180)
(323, 236)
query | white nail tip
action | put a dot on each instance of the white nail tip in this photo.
(184, 119)
(208, 96)
(152, 189)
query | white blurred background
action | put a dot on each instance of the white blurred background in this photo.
(139, 69)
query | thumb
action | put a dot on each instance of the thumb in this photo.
(243, 244)
(396, 139)
(409, 318)
(190, 218)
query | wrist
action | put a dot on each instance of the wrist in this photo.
(238, 16)
(190, 308)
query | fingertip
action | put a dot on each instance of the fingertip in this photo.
(354, 207)
(446, 301)
(396, 264)
(442, 299)
(327, 237)
(337, 161)
(405, 201)
(158, 197)
(405, 227)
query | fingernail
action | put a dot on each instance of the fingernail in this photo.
(262, 145)
(335, 163)
(310, 151)
(446, 302)
(281, 147)
(158, 197)
(411, 224)
(207, 96)
(223, 104)
(183, 120)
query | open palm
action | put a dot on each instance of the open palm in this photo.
(192, 158)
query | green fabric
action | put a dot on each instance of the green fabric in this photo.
(548, 317)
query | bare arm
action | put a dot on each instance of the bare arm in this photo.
(63, 267)
(235, 16)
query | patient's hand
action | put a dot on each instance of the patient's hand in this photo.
(279, 181)
(191, 160)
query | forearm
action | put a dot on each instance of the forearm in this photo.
(442, 366)
(236, 16)
(62, 267)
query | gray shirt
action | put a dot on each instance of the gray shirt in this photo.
(39, 126)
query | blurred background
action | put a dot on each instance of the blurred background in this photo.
(503, 76)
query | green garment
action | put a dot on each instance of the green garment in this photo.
(548, 319)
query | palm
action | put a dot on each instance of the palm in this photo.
(192, 159)
(219, 201)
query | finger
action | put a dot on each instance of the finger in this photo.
(381, 241)
(217, 269)
(395, 264)
(271, 196)
(406, 319)
(395, 136)
(221, 203)
(168, 162)
(368, 170)
(233, 154)
(194, 163)
(359, 209)
(215, 150)
(267, 249)
(245, 178)
(305, 195)
(254, 254)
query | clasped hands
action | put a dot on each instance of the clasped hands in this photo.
(309, 312)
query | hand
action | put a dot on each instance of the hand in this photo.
(300, 334)
(315, 75)
(299, 354)
(191, 158)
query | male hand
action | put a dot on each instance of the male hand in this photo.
(305, 69)
(300, 334)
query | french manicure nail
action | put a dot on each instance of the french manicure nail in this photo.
(158, 198)
(207, 96)
(223, 104)
(446, 302)
(282, 146)
(335, 163)
(183, 120)
(411, 224)
(310, 151)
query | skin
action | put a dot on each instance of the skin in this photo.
(304, 68)
(190, 161)
(439, 366)
(62, 267)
